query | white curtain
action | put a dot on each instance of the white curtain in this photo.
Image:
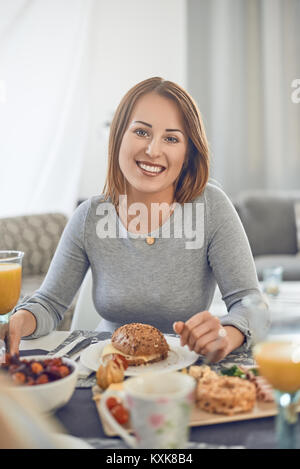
(44, 103)
(243, 58)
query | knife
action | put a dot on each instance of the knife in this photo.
(71, 338)
(80, 346)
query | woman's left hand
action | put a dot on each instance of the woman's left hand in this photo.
(204, 334)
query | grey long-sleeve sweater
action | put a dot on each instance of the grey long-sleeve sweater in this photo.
(168, 281)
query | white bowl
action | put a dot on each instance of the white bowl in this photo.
(51, 396)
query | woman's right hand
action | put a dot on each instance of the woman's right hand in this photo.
(21, 324)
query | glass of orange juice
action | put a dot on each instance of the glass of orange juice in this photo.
(10, 282)
(277, 354)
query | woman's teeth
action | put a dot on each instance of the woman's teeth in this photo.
(150, 169)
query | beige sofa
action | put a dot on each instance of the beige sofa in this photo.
(37, 236)
(270, 223)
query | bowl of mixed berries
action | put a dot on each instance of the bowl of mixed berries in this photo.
(48, 382)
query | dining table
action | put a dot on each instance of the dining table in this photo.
(80, 418)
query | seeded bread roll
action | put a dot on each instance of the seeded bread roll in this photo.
(137, 340)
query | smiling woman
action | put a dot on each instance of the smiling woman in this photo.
(158, 157)
(160, 114)
(151, 157)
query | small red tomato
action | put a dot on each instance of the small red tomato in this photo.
(111, 402)
(120, 413)
(120, 359)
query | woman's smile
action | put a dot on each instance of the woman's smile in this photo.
(150, 169)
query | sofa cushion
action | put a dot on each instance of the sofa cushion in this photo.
(269, 221)
(289, 263)
(36, 235)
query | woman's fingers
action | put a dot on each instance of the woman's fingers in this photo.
(11, 334)
(203, 340)
(198, 332)
(21, 324)
(198, 326)
(14, 342)
(4, 335)
(215, 350)
(204, 334)
(191, 324)
(178, 327)
(3, 331)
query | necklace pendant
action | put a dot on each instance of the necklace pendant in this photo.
(150, 241)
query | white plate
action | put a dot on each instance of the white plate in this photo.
(70, 442)
(178, 357)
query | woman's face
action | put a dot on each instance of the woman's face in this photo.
(153, 147)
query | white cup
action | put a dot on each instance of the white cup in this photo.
(159, 406)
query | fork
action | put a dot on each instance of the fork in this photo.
(80, 346)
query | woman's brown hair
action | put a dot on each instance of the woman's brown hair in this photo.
(195, 171)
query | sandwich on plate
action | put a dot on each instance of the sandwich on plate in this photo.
(138, 343)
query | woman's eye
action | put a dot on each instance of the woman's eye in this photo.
(141, 132)
(144, 133)
(172, 139)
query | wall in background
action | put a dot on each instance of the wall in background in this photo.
(44, 105)
(130, 41)
(63, 72)
(243, 57)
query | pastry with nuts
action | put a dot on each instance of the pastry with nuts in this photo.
(228, 395)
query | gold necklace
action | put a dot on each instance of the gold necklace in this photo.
(149, 239)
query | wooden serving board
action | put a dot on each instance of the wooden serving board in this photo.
(201, 418)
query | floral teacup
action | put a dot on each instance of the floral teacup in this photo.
(159, 406)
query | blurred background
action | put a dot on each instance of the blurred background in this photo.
(65, 65)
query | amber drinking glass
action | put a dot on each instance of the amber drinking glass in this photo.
(277, 353)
